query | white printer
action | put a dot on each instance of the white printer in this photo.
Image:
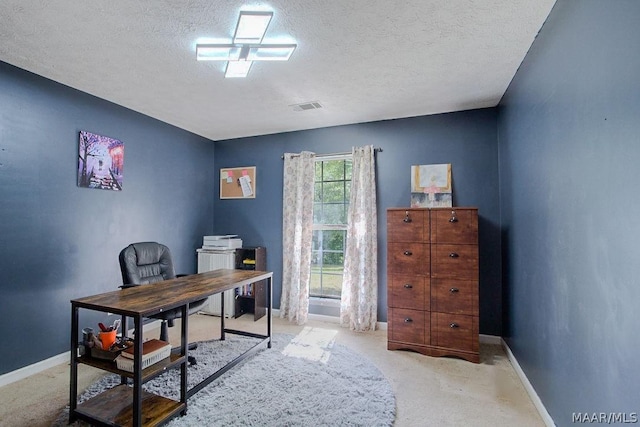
(228, 241)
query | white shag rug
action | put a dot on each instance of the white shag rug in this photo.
(304, 381)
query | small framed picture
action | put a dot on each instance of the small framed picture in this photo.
(238, 183)
(431, 186)
(100, 162)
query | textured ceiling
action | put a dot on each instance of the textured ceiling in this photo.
(363, 60)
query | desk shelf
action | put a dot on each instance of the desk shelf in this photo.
(113, 407)
(251, 298)
(148, 373)
(120, 405)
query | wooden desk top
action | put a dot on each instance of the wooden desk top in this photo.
(146, 300)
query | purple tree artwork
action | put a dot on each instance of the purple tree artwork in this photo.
(100, 162)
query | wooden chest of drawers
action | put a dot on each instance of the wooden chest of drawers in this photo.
(432, 281)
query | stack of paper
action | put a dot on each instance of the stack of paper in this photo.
(228, 241)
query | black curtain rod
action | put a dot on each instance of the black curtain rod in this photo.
(346, 153)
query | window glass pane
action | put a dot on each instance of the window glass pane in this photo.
(333, 240)
(315, 284)
(347, 191)
(317, 193)
(318, 171)
(317, 213)
(332, 261)
(316, 240)
(315, 259)
(333, 170)
(333, 192)
(333, 287)
(347, 169)
(332, 279)
(333, 214)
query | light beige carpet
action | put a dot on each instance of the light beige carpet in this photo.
(429, 391)
(297, 387)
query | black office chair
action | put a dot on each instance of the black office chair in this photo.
(150, 262)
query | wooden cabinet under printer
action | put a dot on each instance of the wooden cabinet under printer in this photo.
(432, 281)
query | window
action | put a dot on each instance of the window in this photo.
(330, 207)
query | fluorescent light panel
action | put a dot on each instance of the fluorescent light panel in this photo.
(246, 46)
(275, 52)
(237, 69)
(252, 26)
(218, 52)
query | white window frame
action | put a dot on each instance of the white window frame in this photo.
(330, 227)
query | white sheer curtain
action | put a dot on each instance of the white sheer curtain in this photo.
(297, 235)
(359, 303)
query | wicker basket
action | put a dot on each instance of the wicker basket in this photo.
(126, 364)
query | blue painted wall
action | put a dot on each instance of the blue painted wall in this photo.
(465, 139)
(569, 177)
(567, 143)
(60, 241)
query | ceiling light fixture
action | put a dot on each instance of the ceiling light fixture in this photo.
(247, 45)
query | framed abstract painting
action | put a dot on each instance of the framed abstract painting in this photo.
(100, 162)
(431, 186)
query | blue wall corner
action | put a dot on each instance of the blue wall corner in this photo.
(60, 241)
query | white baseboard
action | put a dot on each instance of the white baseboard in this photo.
(544, 414)
(22, 373)
(43, 365)
(275, 312)
(328, 319)
(490, 339)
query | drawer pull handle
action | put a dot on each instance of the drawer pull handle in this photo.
(454, 325)
(408, 286)
(453, 217)
(406, 217)
(454, 290)
(408, 320)
(453, 255)
(408, 253)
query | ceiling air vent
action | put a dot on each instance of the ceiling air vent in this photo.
(313, 105)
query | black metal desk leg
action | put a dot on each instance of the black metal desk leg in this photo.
(222, 316)
(137, 372)
(125, 332)
(184, 351)
(269, 304)
(73, 394)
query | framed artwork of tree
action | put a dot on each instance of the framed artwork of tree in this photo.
(100, 162)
